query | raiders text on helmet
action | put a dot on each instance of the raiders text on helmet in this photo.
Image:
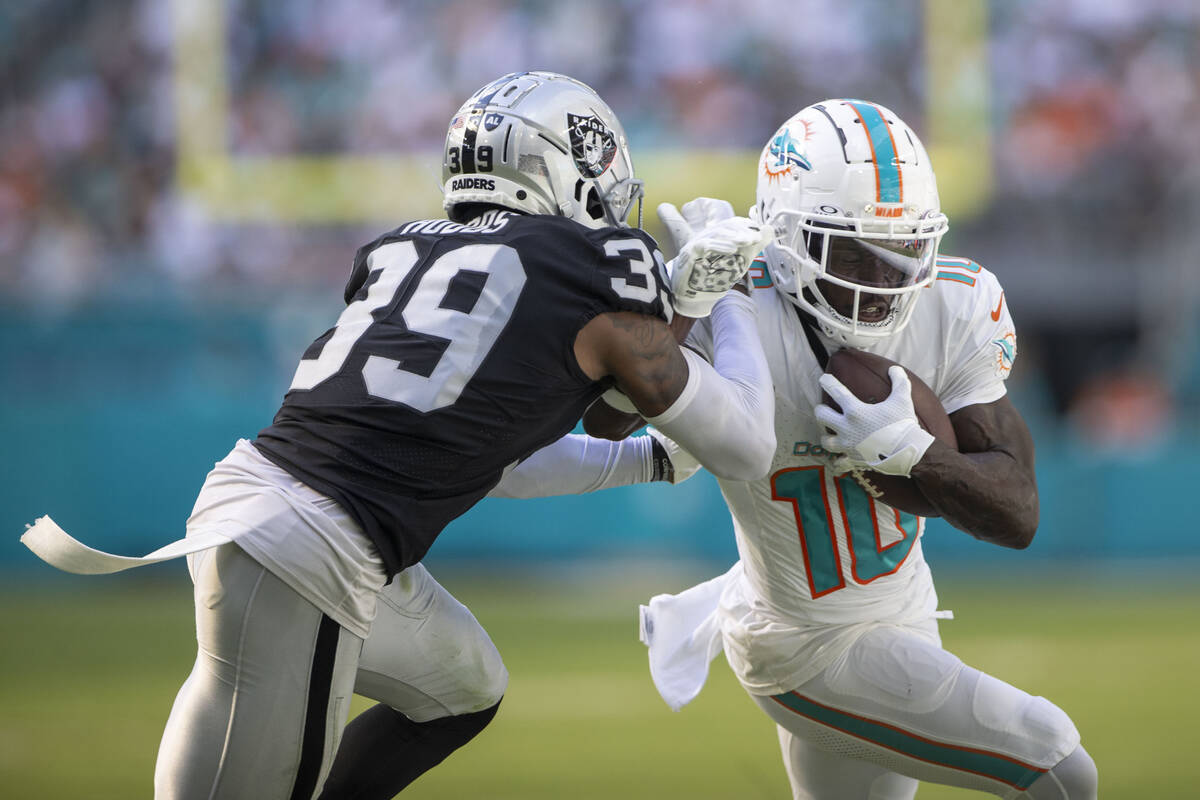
(848, 188)
(541, 143)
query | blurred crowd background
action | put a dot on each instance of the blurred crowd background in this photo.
(138, 320)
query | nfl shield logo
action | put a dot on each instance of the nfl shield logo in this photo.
(593, 145)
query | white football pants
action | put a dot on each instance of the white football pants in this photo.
(896, 709)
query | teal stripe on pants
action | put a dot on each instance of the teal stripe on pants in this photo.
(979, 762)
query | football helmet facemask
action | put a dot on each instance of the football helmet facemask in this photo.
(851, 196)
(541, 143)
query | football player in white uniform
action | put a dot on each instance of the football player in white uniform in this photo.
(829, 618)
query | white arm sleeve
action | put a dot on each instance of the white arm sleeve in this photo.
(725, 416)
(577, 464)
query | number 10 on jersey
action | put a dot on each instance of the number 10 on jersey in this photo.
(814, 502)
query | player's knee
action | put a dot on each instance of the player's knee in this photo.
(456, 730)
(1078, 775)
(484, 682)
(490, 693)
(1073, 778)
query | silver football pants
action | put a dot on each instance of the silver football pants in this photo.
(262, 712)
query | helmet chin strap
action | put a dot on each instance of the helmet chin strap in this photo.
(810, 325)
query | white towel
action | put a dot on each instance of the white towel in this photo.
(683, 634)
(59, 549)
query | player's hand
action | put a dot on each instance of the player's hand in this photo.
(712, 262)
(683, 224)
(683, 464)
(886, 436)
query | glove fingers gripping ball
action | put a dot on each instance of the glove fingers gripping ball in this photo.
(866, 376)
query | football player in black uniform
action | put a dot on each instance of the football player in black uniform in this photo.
(466, 344)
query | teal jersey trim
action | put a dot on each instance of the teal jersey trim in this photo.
(954, 262)
(759, 274)
(956, 276)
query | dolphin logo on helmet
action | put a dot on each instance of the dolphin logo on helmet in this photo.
(783, 153)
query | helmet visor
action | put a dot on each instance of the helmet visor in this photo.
(859, 278)
(879, 263)
(867, 279)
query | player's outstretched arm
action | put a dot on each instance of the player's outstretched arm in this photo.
(987, 487)
(713, 252)
(640, 352)
(722, 414)
(580, 464)
(604, 421)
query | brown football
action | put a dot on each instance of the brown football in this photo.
(866, 376)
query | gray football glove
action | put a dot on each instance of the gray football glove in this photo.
(715, 251)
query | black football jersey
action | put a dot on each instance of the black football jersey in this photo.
(453, 359)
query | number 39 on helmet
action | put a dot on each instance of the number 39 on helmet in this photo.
(845, 183)
(541, 143)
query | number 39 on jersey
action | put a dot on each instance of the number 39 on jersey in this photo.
(439, 324)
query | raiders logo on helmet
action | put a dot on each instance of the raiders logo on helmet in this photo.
(592, 145)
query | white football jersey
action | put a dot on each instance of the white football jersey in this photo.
(817, 550)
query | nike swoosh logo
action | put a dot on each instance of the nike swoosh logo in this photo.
(1000, 305)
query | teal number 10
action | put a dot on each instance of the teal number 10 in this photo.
(806, 489)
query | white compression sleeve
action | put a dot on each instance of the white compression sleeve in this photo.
(577, 464)
(725, 416)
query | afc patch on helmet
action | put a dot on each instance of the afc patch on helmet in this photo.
(592, 145)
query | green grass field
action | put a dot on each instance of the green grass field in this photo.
(89, 667)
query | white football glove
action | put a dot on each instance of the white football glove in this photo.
(712, 260)
(884, 436)
(683, 464)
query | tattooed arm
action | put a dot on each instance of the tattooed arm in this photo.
(605, 422)
(723, 414)
(640, 352)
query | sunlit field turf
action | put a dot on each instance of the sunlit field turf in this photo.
(89, 667)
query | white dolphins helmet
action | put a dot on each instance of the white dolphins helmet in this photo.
(541, 143)
(851, 196)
